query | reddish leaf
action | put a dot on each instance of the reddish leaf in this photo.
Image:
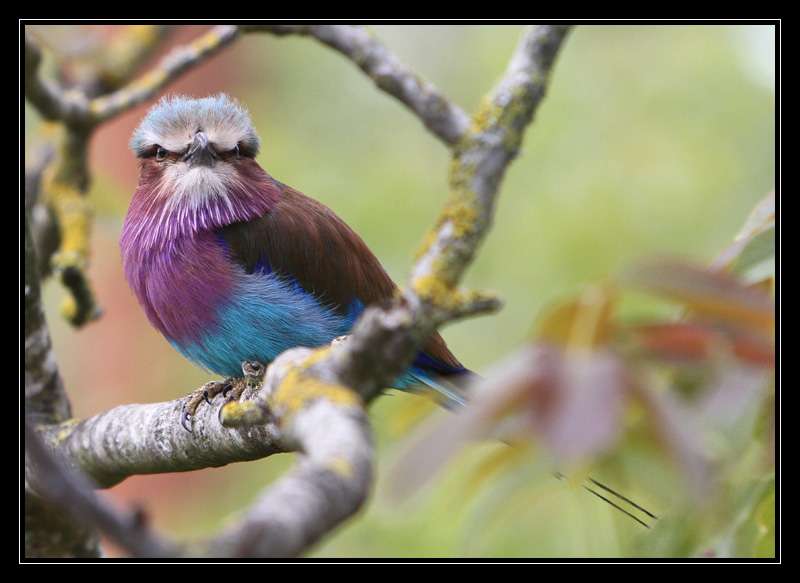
(714, 294)
(691, 341)
(680, 341)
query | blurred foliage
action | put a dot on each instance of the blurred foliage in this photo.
(692, 390)
(651, 140)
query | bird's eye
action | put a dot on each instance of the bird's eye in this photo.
(161, 153)
(236, 150)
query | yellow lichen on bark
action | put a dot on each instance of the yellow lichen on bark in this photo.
(64, 183)
(487, 114)
(206, 42)
(341, 467)
(433, 290)
(74, 214)
(125, 51)
(299, 388)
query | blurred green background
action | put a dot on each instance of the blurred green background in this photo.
(652, 139)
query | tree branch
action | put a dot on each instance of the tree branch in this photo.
(444, 119)
(45, 398)
(46, 476)
(384, 341)
(46, 533)
(327, 423)
(177, 62)
(149, 439)
(125, 54)
(51, 101)
(330, 483)
(480, 163)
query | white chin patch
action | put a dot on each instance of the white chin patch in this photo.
(183, 184)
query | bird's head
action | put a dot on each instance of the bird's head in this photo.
(197, 169)
(195, 148)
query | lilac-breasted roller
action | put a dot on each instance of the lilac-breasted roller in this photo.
(230, 264)
(233, 266)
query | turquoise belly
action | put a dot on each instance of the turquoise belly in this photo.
(265, 316)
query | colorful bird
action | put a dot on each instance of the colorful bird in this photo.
(233, 266)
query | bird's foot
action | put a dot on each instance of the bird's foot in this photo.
(231, 389)
(205, 393)
(253, 375)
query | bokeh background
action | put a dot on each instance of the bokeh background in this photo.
(652, 139)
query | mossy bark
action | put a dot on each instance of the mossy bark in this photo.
(49, 532)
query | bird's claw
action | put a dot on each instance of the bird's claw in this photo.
(231, 389)
(205, 393)
(253, 373)
(186, 419)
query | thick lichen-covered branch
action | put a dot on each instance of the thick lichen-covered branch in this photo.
(149, 439)
(443, 118)
(332, 479)
(326, 423)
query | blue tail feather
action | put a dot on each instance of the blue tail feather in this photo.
(417, 377)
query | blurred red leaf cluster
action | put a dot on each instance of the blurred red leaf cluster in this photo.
(690, 377)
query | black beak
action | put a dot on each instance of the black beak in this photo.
(200, 152)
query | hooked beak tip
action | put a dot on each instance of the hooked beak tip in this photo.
(201, 152)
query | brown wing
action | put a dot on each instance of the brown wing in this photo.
(303, 239)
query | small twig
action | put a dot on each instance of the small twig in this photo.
(177, 62)
(444, 119)
(75, 109)
(51, 101)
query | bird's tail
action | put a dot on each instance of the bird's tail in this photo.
(451, 390)
(451, 394)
